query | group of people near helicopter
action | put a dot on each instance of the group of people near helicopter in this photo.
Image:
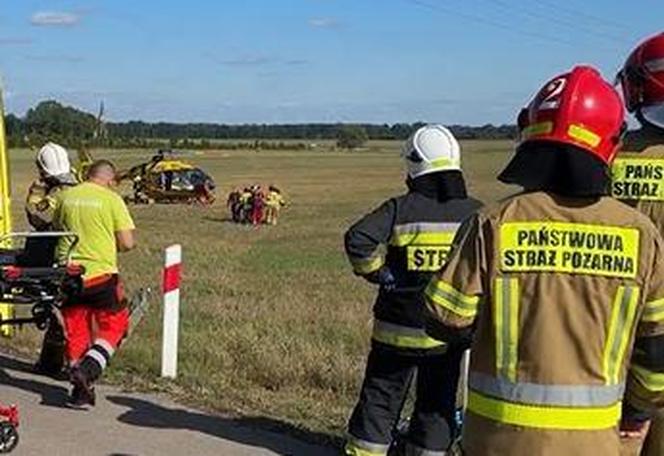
(256, 205)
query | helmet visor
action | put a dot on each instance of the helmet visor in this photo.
(654, 114)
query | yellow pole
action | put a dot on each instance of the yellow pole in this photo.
(6, 310)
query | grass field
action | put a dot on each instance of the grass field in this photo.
(274, 324)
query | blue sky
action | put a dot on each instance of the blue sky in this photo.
(236, 61)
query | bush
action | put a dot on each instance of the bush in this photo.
(351, 137)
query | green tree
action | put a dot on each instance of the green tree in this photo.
(50, 120)
(351, 136)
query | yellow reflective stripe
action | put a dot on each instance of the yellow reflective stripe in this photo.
(351, 450)
(513, 340)
(464, 299)
(499, 322)
(424, 233)
(506, 316)
(654, 311)
(357, 447)
(611, 335)
(367, 265)
(542, 128)
(584, 135)
(422, 238)
(7, 311)
(626, 336)
(623, 314)
(652, 381)
(440, 163)
(396, 340)
(544, 417)
(446, 296)
(403, 337)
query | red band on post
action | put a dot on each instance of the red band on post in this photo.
(171, 279)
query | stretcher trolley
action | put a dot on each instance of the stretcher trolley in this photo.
(37, 285)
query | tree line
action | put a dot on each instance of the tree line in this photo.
(50, 120)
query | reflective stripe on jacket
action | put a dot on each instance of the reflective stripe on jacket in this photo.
(558, 290)
(411, 235)
(638, 180)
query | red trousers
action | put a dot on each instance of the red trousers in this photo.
(86, 326)
(257, 214)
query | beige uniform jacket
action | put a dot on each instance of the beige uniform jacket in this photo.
(557, 291)
(40, 204)
(639, 181)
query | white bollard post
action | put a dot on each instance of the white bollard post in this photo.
(171, 290)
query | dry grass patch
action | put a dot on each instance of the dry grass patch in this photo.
(273, 321)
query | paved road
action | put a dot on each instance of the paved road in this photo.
(131, 424)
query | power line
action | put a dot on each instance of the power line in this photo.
(577, 14)
(553, 19)
(495, 24)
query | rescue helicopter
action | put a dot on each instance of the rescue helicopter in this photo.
(164, 178)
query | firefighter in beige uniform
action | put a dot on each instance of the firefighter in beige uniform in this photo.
(54, 176)
(638, 179)
(556, 284)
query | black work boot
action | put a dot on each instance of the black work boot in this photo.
(51, 361)
(83, 391)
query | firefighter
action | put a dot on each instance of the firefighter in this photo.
(233, 205)
(417, 231)
(638, 179)
(257, 205)
(54, 175)
(246, 204)
(556, 285)
(274, 201)
(97, 320)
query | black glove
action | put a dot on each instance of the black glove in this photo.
(632, 414)
(382, 277)
(460, 339)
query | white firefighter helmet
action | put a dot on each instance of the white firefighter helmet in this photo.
(430, 149)
(53, 161)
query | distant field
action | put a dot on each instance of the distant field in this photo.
(274, 323)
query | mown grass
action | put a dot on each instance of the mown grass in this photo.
(273, 321)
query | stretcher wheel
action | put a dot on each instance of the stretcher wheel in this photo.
(8, 438)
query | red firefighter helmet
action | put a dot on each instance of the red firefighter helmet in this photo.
(642, 77)
(578, 108)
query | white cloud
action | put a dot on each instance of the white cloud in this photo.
(324, 23)
(54, 19)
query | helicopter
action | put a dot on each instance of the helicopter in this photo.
(165, 179)
(161, 179)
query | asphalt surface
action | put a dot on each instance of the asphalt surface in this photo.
(125, 424)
